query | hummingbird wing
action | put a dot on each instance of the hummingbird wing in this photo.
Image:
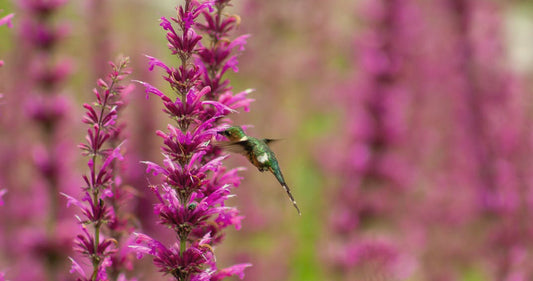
(268, 141)
(241, 147)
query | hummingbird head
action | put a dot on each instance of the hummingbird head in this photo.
(234, 133)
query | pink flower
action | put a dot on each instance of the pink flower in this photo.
(2, 193)
(7, 20)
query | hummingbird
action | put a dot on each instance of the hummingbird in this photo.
(259, 154)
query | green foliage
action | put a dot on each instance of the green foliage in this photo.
(474, 274)
(6, 34)
(306, 262)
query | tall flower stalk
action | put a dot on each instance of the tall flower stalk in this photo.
(39, 92)
(498, 149)
(374, 174)
(194, 185)
(100, 214)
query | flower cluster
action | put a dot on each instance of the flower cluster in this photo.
(98, 204)
(41, 36)
(216, 58)
(195, 184)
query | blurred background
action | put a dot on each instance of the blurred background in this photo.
(406, 128)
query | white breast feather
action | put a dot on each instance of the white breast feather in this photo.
(262, 158)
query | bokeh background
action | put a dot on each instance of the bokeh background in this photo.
(406, 130)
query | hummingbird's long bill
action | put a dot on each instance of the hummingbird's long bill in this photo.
(281, 180)
(292, 199)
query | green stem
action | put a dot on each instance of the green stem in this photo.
(96, 263)
(183, 244)
(95, 194)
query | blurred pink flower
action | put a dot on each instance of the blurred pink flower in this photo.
(41, 110)
(2, 193)
(7, 20)
(375, 175)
